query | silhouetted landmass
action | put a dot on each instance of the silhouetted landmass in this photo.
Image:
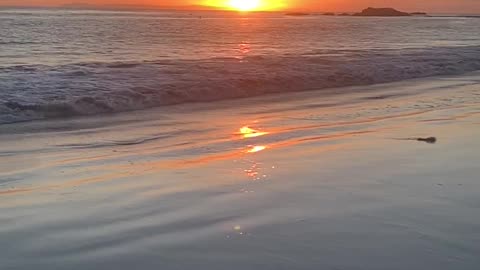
(297, 14)
(328, 14)
(419, 13)
(344, 14)
(382, 12)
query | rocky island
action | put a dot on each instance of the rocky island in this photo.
(419, 14)
(382, 12)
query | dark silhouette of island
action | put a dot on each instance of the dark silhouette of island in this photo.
(344, 14)
(382, 12)
(297, 14)
(419, 14)
(328, 14)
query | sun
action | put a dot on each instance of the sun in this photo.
(244, 5)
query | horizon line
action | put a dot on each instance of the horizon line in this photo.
(131, 7)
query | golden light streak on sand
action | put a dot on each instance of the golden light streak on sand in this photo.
(257, 148)
(248, 132)
(130, 170)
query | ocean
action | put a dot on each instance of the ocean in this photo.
(64, 63)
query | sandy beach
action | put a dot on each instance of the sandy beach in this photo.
(312, 180)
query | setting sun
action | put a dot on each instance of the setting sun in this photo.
(244, 5)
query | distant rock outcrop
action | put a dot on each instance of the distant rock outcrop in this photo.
(382, 12)
(297, 14)
(328, 14)
(419, 14)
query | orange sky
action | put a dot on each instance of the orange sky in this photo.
(452, 6)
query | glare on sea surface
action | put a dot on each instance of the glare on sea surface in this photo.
(243, 50)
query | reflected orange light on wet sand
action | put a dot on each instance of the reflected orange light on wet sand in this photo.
(257, 148)
(248, 132)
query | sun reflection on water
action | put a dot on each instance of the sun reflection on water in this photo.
(243, 50)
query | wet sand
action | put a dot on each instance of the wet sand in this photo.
(315, 180)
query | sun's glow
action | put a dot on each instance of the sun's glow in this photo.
(244, 5)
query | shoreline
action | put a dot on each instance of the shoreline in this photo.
(349, 94)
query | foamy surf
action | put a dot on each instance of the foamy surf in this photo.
(40, 92)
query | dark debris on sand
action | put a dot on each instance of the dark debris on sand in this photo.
(430, 140)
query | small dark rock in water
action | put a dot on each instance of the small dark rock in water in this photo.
(384, 12)
(428, 140)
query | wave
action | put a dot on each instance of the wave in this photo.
(40, 92)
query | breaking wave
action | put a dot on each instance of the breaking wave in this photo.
(40, 92)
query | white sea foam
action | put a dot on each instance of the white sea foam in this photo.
(38, 92)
